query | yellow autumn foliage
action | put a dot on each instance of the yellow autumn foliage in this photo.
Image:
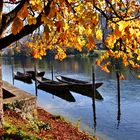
(31, 20)
(74, 24)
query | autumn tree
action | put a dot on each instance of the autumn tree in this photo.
(62, 24)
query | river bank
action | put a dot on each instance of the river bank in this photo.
(45, 127)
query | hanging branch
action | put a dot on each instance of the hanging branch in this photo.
(115, 12)
(27, 29)
(8, 18)
(110, 17)
(101, 11)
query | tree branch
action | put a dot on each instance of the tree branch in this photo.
(101, 11)
(68, 4)
(9, 17)
(1, 8)
(25, 31)
(7, 2)
(115, 12)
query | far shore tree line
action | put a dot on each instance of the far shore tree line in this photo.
(23, 51)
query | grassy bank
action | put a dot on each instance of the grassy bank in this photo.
(45, 127)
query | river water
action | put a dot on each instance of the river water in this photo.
(110, 123)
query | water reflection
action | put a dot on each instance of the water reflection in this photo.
(94, 115)
(66, 95)
(119, 98)
(118, 115)
(108, 112)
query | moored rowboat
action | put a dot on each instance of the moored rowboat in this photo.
(56, 88)
(79, 86)
(77, 83)
(51, 84)
(24, 77)
(38, 74)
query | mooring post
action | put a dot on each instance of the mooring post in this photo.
(12, 71)
(52, 71)
(35, 79)
(93, 97)
(118, 86)
(118, 93)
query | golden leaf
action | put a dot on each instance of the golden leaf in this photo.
(99, 34)
(122, 25)
(88, 31)
(138, 58)
(98, 62)
(59, 26)
(44, 19)
(60, 55)
(17, 26)
(31, 20)
(117, 32)
(104, 68)
(46, 31)
(66, 26)
(10, 46)
(91, 43)
(23, 13)
(52, 13)
(110, 41)
(121, 76)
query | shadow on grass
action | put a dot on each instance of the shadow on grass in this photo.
(17, 137)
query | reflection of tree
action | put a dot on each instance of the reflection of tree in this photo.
(118, 115)
(118, 93)
(94, 115)
(75, 66)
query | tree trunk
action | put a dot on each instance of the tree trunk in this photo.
(119, 97)
(1, 94)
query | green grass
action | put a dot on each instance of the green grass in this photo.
(16, 134)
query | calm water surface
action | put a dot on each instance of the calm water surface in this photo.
(108, 127)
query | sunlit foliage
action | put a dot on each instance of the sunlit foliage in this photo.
(77, 23)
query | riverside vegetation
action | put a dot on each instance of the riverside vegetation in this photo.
(43, 126)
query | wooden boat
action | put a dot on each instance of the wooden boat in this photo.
(39, 74)
(56, 88)
(51, 84)
(70, 80)
(24, 77)
(81, 87)
(77, 83)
